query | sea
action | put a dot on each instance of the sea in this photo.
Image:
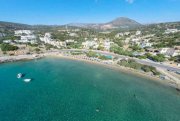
(70, 90)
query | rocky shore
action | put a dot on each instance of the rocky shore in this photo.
(4, 59)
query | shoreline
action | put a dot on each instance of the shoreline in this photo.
(116, 67)
(6, 59)
(126, 70)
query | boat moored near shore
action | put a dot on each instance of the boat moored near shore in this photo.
(19, 75)
(27, 80)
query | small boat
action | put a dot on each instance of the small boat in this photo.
(27, 80)
(19, 75)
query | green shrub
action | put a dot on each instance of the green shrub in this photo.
(146, 68)
(37, 49)
(158, 58)
(8, 47)
(103, 57)
(133, 64)
(91, 54)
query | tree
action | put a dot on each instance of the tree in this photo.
(148, 55)
(37, 49)
(91, 54)
(8, 47)
(133, 64)
(146, 68)
(119, 42)
(118, 50)
(48, 46)
(142, 57)
(100, 47)
(135, 48)
(103, 57)
(158, 58)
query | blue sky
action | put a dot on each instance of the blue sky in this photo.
(88, 11)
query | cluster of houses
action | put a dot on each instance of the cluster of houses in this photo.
(95, 44)
(168, 31)
(170, 52)
(167, 52)
(88, 44)
(127, 34)
(143, 41)
(24, 36)
(136, 39)
(48, 40)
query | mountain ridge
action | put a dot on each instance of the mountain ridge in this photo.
(121, 22)
(118, 23)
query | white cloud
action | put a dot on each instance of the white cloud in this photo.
(130, 1)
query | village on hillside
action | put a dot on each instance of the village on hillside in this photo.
(161, 46)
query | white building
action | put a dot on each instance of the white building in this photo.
(25, 41)
(163, 50)
(138, 33)
(169, 52)
(20, 32)
(26, 36)
(90, 44)
(172, 52)
(107, 45)
(62, 44)
(119, 35)
(95, 39)
(70, 41)
(73, 35)
(127, 40)
(145, 44)
(168, 31)
(47, 39)
(135, 40)
(7, 41)
(127, 33)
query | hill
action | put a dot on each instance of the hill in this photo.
(119, 23)
(13, 26)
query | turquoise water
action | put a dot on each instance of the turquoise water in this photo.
(66, 90)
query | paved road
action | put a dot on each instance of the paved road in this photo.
(146, 62)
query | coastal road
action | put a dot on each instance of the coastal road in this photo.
(146, 62)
